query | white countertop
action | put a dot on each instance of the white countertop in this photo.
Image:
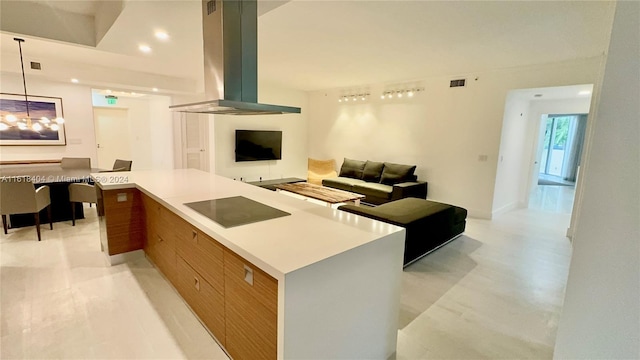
(278, 246)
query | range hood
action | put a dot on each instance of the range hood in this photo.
(230, 39)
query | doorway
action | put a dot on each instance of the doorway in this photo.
(195, 141)
(562, 143)
(112, 135)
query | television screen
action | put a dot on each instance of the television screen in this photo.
(254, 145)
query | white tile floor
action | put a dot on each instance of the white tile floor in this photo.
(495, 292)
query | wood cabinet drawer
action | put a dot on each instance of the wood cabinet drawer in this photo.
(151, 215)
(151, 207)
(161, 250)
(169, 221)
(251, 308)
(205, 255)
(159, 245)
(206, 302)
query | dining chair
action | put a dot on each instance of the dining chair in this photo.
(122, 165)
(86, 193)
(81, 193)
(75, 163)
(19, 196)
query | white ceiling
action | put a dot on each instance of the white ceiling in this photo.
(84, 7)
(312, 45)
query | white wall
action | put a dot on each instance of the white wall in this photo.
(512, 169)
(294, 138)
(150, 130)
(442, 130)
(78, 115)
(601, 314)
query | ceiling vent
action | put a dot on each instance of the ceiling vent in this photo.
(457, 83)
(36, 65)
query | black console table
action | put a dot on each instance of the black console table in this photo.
(270, 184)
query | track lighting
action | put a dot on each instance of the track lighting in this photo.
(400, 93)
(355, 97)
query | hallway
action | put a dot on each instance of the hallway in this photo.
(496, 291)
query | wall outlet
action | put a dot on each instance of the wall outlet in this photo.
(483, 158)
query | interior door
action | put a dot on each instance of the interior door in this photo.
(195, 141)
(112, 135)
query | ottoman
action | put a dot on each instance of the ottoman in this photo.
(429, 224)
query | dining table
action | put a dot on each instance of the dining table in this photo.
(58, 180)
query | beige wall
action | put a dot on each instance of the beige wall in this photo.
(442, 130)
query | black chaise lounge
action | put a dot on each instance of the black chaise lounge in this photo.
(429, 224)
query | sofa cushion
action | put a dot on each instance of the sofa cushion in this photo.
(372, 171)
(397, 173)
(352, 168)
(405, 211)
(374, 189)
(342, 183)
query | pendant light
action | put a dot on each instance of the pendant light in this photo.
(10, 120)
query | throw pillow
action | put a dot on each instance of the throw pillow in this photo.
(352, 168)
(372, 171)
(396, 173)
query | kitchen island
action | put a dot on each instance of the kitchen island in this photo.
(316, 283)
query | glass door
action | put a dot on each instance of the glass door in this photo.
(555, 141)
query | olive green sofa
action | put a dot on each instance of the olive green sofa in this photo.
(379, 182)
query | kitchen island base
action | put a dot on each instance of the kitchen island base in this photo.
(342, 306)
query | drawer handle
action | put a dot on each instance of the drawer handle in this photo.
(196, 283)
(248, 275)
(194, 235)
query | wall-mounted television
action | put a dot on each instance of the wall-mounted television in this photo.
(255, 145)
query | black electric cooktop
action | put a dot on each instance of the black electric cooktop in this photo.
(235, 211)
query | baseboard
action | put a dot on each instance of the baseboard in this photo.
(125, 257)
(504, 209)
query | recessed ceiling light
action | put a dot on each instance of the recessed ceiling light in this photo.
(161, 35)
(155, 89)
(108, 91)
(584, 92)
(74, 80)
(144, 48)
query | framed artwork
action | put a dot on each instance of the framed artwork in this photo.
(40, 128)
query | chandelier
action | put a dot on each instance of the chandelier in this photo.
(22, 120)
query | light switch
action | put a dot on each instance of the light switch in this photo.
(122, 197)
